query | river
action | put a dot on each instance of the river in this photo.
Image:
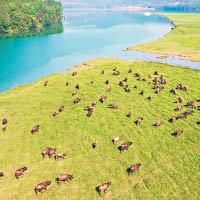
(86, 35)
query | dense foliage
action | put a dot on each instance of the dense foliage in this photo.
(22, 15)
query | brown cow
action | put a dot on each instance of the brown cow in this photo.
(150, 98)
(121, 83)
(188, 112)
(74, 73)
(90, 113)
(129, 115)
(115, 140)
(107, 82)
(116, 73)
(35, 129)
(173, 91)
(74, 93)
(42, 186)
(158, 123)
(51, 152)
(159, 89)
(102, 99)
(20, 172)
(126, 79)
(179, 132)
(56, 113)
(4, 121)
(179, 108)
(60, 155)
(77, 86)
(91, 81)
(114, 106)
(94, 103)
(95, 144)
(125, 146)
(61, 108)
(45, 83)
(127, 89)
(77, 100)
(190, 103)
(134, 168)
(130, 71)
(142, 92)
(109, 89)
(182, 116)
(102, 72)
(137, 74)
(103, 187)
(173, 119)
(64, 177)
(67, 83)
(180, 100)
(46, 152)
(139, 120)
(88, 108)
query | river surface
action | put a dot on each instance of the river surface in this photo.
(86, 35)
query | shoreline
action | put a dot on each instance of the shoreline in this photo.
(154, 48)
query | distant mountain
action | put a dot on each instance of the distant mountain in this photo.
(158, 4)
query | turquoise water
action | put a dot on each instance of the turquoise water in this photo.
(86, 35)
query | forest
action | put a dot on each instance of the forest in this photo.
(18, 16)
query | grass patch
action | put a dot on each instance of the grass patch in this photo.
(183, 41)
(170, 165)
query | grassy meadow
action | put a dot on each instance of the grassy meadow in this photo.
(183, 41)
(170, 165)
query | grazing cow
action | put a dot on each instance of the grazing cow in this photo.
(156, 73)
(4, 121)
(77, 86)
(67, 83)
(42, 186)
(144, 80)
(181, 87)
(64, 177)
(46, 152)
(129, 115)
(45, 83)
(178, 132)
(135, 86)
(61, 108)
(116, 73)
(89, 108)
(51, 152)
(179, 108)
(190, 103)
(158, 123)
(194, 106)
(127, 89)
(77, 100)
(95, 144)
(121, 83)
(134, 168)
(198, 123)
(114, 69)
(163, 81)
(173, 91)
(102, 72)
(91, 81)
(1, 174)
(182, 116)
(114, 106)
(103, 188)
(126, 79)
(115, 140)
(4, 127)
(20, 172)
(125, 146)
(56, 113)
(149, 76)
(90, 113)
(74, 73)
(74, 93)
(137, 74)
(60, 155)
(35, 129)
(102, 99)
(180, 100)
(109, 89)
(173, 119)
(94, 103)
(130, 71)
(107, 82)
(159, 89)
(142, 92)
(139, 121)
(188, 112)
(150, 98)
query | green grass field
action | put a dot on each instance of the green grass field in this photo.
(170, 165)
(183, 41)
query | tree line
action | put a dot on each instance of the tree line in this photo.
(22, 15)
